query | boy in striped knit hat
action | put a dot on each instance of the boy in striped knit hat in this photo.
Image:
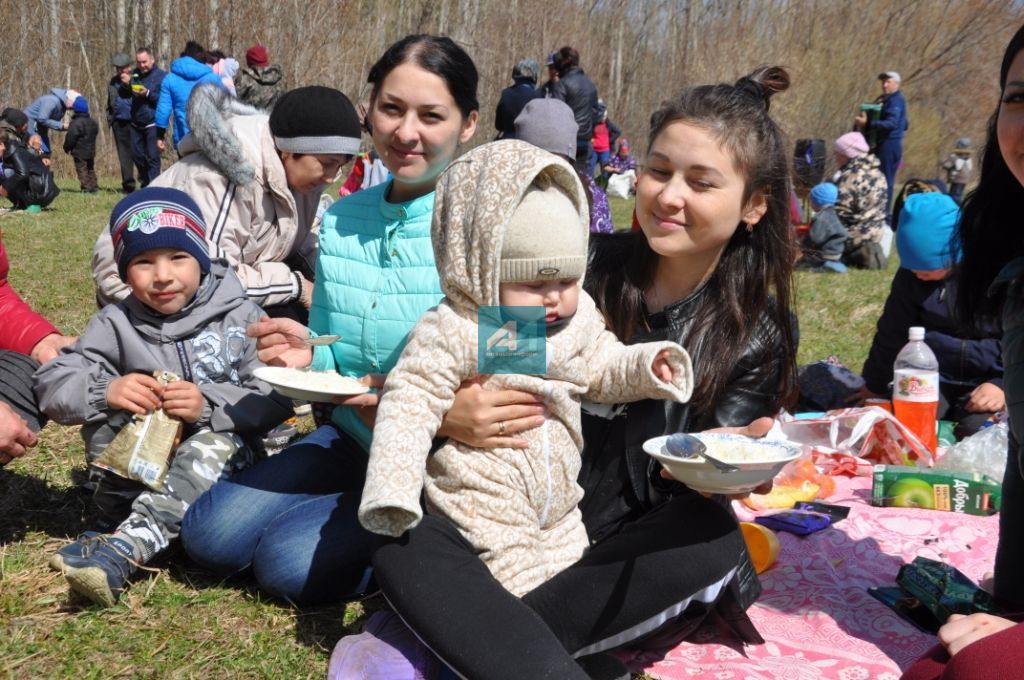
(185, 315)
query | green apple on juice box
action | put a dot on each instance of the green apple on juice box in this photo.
(913, 487)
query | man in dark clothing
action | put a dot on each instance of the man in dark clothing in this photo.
(119, 118)
(145, 85)
(24, 178)
(261, 83)
(548, 88)
(14, 122)
(514, 98)
(889, 128)
(80, 142)
(579, 92)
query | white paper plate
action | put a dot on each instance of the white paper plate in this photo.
(309, 385)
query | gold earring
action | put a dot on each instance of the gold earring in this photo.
(750, 227)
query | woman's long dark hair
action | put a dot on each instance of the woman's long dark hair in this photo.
(753, 277)
(989, 230)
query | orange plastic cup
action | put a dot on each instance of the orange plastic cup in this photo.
(762, 543)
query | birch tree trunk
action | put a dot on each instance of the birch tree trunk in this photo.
(165, 32)
(55, 28)
(121, 23)
(213, 19)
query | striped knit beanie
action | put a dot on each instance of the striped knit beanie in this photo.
(157, 217)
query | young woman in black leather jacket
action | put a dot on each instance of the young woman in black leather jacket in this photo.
(712, 270)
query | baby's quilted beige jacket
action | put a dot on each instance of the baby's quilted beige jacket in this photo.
(517, 507)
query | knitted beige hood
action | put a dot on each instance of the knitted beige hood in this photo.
(476, 197)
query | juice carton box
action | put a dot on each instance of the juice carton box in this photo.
(913, 487)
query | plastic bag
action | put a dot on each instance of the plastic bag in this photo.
(983, 452)
(143, 449)
(798, 481)
(867, 432)
(620, 185)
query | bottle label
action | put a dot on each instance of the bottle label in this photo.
(912, 385)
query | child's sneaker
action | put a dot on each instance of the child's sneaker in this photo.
(78, 549)
(102, 575)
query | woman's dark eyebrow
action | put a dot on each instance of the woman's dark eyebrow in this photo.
(700, 168)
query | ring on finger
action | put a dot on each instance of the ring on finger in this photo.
(501, 428)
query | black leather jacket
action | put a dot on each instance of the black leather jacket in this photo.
(620, 481)
(1009, 588)
(579, 92)
(32, 182)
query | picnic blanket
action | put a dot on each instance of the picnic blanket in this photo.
(815, 613)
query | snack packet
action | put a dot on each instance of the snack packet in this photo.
(143, 449)
(798, 481)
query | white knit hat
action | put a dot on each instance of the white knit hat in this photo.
(543, 239)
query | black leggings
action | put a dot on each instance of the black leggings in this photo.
(666, 569)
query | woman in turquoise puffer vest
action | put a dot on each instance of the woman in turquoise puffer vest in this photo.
(292, 518)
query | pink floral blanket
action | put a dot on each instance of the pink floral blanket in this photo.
(815, 613)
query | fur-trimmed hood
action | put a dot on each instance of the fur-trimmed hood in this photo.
(218, 131)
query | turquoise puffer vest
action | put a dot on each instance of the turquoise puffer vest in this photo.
(375, 277)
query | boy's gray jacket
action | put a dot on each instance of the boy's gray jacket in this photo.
(204, 343)
(518, 508)
(232, 170)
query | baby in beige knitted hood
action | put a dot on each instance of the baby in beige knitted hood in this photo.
(510, 228)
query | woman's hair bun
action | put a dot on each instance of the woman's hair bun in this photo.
(765, 81)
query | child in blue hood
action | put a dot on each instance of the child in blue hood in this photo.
(970, 363)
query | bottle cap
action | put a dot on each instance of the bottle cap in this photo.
(917, 333)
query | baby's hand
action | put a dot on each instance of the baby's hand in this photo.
(662, 368)
(183, 399)
(136, 392)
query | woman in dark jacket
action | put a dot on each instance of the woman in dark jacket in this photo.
(990, 278)
(711, 270)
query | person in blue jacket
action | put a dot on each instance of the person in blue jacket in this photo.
(46, 113)
(187, 71)
(970, 363)
(292, 518)
(889, 128)
(146, 85)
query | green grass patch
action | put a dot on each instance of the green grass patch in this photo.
(179, 621)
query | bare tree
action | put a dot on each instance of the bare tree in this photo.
(637, 51)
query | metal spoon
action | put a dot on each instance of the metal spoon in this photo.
(317, 341)
(683, 445)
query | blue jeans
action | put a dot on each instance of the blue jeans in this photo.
(598, 159)
(291, 519)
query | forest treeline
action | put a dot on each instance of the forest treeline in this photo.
(638, 52)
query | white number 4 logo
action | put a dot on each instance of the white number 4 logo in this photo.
(504, 337)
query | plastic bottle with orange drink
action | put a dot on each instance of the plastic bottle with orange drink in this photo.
(915, 388)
